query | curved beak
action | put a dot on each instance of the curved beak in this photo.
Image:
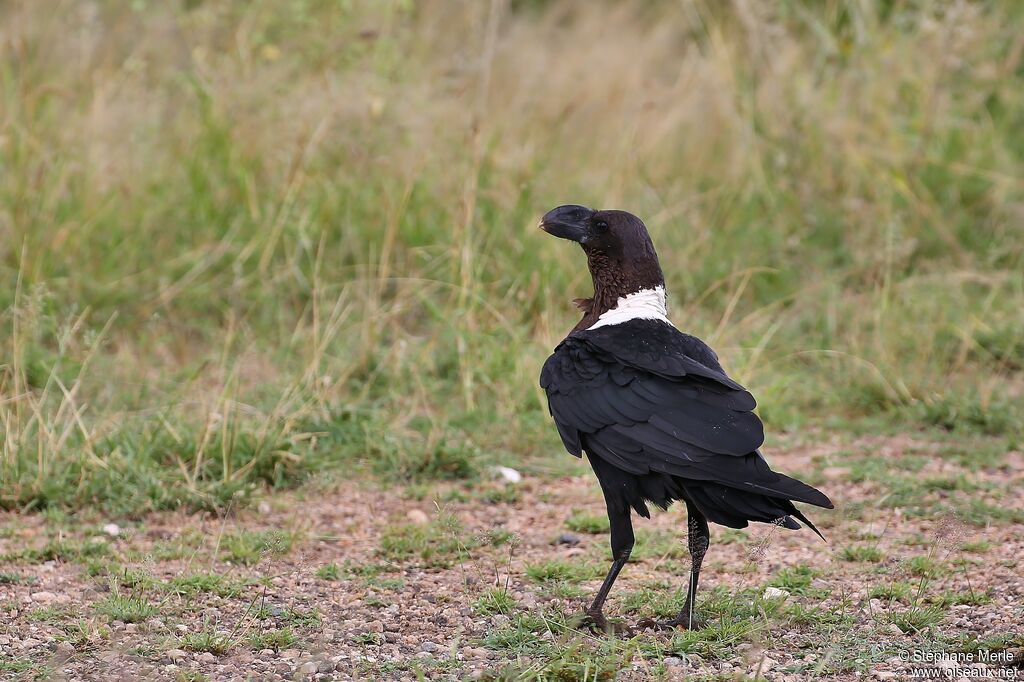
(570, 222)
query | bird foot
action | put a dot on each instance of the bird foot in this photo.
(599, 625)
(691, 623)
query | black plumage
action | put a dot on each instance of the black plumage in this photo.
(658, 418)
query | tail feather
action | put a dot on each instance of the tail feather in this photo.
(806, 521)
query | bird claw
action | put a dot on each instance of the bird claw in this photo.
(692, 623)
(599, 625)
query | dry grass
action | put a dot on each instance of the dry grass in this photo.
(240, 241)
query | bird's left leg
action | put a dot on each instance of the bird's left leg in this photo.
(622, 544)
(699, 538)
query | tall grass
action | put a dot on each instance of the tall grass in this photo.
(240, 242)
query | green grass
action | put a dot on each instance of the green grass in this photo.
(494, 600)
(205, 292)
(916, 618)
(48, 614)
(923, 567)
(207, 640)
(281, 638)
(331, 572)
(560, 570)
(199, 583)
(436, 544)
(862, 553)
(796, 579)
(126, 608)
(897, 590)
(248, 547)
(593, 524)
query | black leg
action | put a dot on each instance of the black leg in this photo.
(698, 539)
(622, 544)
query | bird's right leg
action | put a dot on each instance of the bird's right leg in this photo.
(698, 539)
(622, 544)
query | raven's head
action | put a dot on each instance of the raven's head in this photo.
(619, 250)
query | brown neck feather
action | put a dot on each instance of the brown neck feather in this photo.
(612, 281)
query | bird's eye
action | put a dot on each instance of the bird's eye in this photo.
(601, 225)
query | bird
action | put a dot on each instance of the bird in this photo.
(658, 418)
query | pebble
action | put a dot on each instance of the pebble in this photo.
(44, 597)
(568, 539)
(509, 475)
(774, 593)
(112, 529)
(417, 516)
(429, 646)
(672, 661)
(206, 657)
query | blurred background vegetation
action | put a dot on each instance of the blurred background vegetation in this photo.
(242, 243)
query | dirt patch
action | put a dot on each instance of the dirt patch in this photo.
(368, 583)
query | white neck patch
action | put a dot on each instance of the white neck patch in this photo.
(646, 304)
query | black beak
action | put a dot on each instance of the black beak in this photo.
(568, 222)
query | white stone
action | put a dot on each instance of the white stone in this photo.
(774, 593)
(112, 529)
(417, 516)
(509, 475)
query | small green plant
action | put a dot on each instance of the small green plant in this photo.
(556, 570)
(207, 640)
(371, 638)
(952, 598)
(861, 553)
(249, 547)
(301, 618)
(581, 522)
(48, 614)
(923, 567)
(896, 590)
(795, 579)
(916, 618)
(436, 544)
(281, 638)
(977, 546)
(126, 608)
(494, 600)
(329, 571)
(199, 583)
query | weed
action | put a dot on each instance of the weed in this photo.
(862, 553)
(594, 524)
(207, 640)
(199, 583)
(435, 544)
(494, 600)
(281, 638)
(125, 608)
(329, 571)
(249, 547)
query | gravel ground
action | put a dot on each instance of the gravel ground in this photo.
(333, 593)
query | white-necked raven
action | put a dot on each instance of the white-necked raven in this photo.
(653, 409)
